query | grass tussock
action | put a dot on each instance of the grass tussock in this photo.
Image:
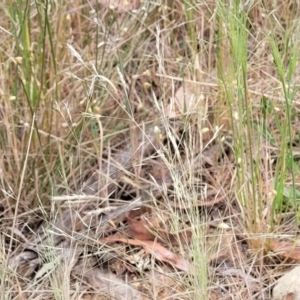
(148, 150)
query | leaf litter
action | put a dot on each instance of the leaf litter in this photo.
(82, 227)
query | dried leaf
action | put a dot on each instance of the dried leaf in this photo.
(147, 229)
(138, 228)
(187, 99)
(25, 263)
(287, 249)
(155, 249)
(107, 282)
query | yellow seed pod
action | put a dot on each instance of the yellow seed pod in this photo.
(205, 129)
(147, 85)
(157, 130)
(96, 110)
(68, 18)
(274, 193)
(18, 60)
(223, 225)
(147, 73)
(179, 59)
(140, 107)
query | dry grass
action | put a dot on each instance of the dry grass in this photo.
(187, 110)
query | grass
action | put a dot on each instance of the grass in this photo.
(188, 107)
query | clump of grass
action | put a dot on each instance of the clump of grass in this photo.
(234, 81)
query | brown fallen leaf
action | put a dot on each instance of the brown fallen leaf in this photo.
(187, 99)
(147, 228)
(155, 249)
(108, 283)
(289, 250)
(138, 229)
